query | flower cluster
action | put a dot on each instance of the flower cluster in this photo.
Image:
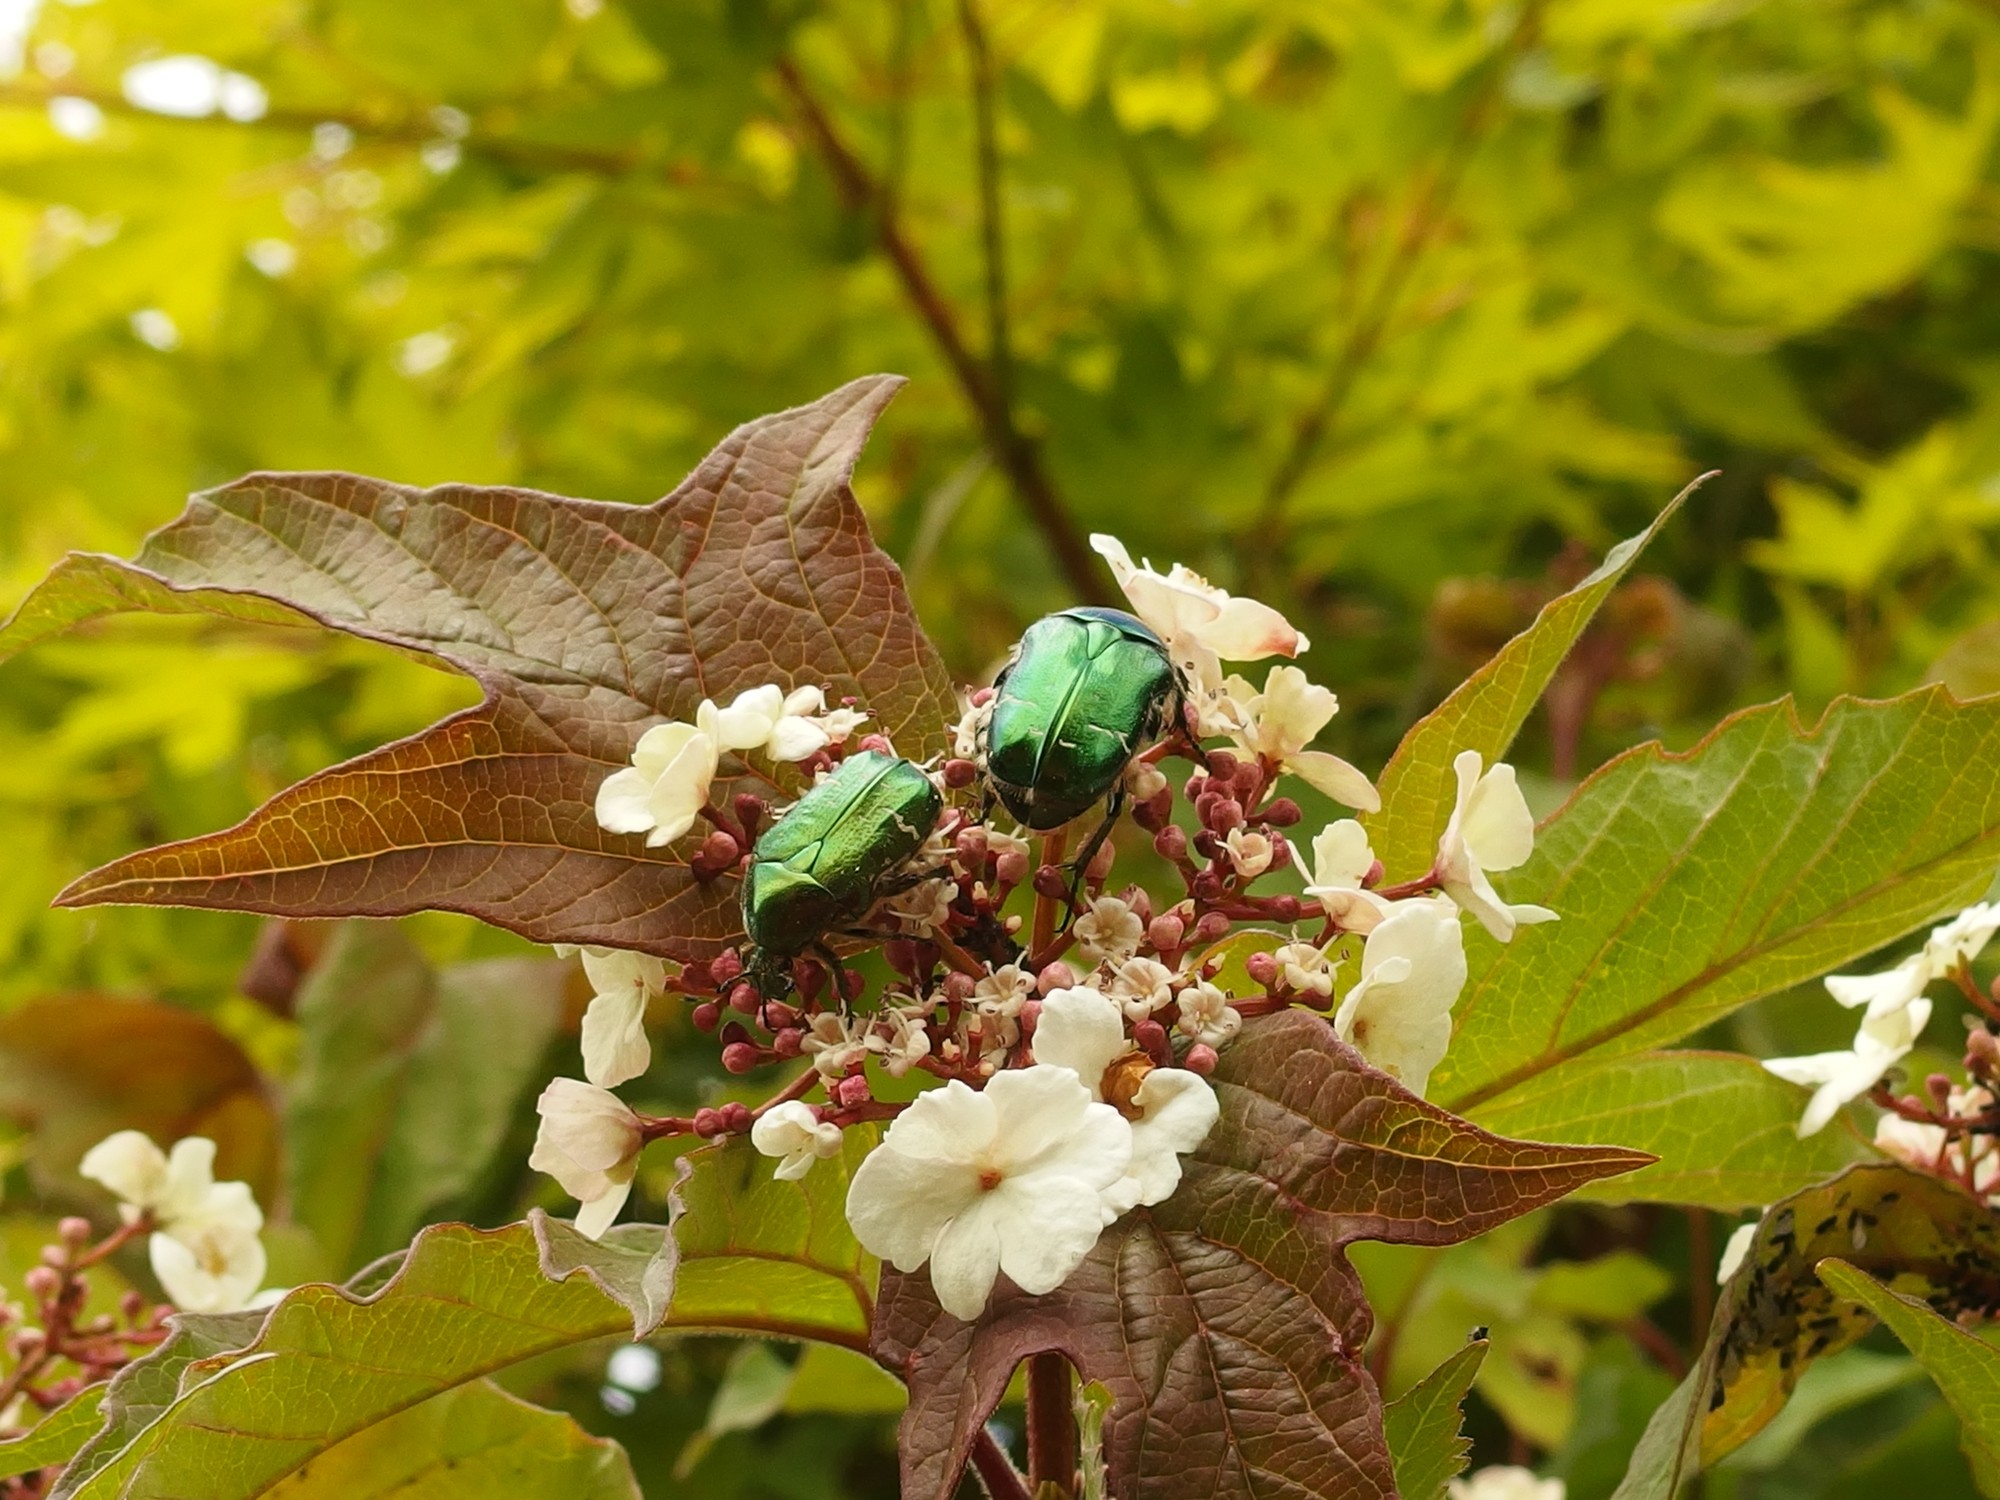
(1067, 1024)
(205, 1245)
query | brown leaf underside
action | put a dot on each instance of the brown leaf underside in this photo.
(584, 622)
(1226, 1321)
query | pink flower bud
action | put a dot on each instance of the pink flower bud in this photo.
(1281, 851)
(1011, 868)
(878, 743)
(1200, 1059)
(1166, 932)
(958, 987)
(726, 968)
(1282, 813)
(970, 844)
(790, 1042)
(1055, 976)
(707, 1016)
(1374, 876)
(1223, 814)
(131, 1306)
(852, 983)
(708, 1123)
(54, 1255)
(1031, 1012)
(1248, 781)
(778, 1015)
(24, 1342)
(744, 999)
(696, 978)
(1051, 882)
(982, 696)
(718, 852)
(741, 1057)
(74, 1230)
(1285, 908)
(734, 1033)
(960, 774)
(751, 811)
(1211, 928)
(850, 1092)
(1196, 785)
(1207, 886)
(1171, 843)
(1153, 813)
(1152, 1039)
(736, 1117)
(42, 1282)
(1101, 861)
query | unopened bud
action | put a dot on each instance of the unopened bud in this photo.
(1938, 1086)
(982, 696)
(1200, 1059)
(1152, 814)
(726, 968)
(42, 1282)
(1262, 968)
(24, 1342)
(734, 1033)
(54, 1255)
(1285, 908)
(1213, 927)
(1248, 780)
(809, 978)
(1281, 852)
(718, 852)
(741, 1057)
(960, 774)
(1982, 1049)
(744, 999)
(1055, 976)
(970, 844)
(850, 1092)
(131, 1306)
(1030, 1017)
(1207, 886)
(791, 1042)
(707, 1016)
(852, 983)
(708, 1123)
(958, 987)
(1374, 876)
(1224, 814)
(879, 743)
(1152, 1038)
(74, 1230)
(1282, 813)
(1011, 868)
(1102, 861)
(695, 978)
(736, 1117)
(1050, 882)
(1207, 844)
(1171, 843)
(778, 1015)
(1222, 765)
(1166, 932)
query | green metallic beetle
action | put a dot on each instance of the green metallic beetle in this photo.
(820, 867)
(1087, 690)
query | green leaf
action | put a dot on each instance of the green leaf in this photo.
(1243, 1267)
(1966, 1368)
(584, 623)
(1775, 1316)
(1422, 1426)
(464, 1303)
(408, 1080)
(56, 1438)
(1725, 1131)
(470, 1443)
(1692, 884)
(1486, 711)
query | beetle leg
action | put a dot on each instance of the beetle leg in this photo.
(836, 973)
(1113, 807)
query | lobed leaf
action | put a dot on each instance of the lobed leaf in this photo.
(1725, 1131)
(1691, 884)
(1966, 1368)
(584, 623)
(1423, 1424)
(56, 1438)
(408, 1081)
(1486, 711)
(1227, 1321)
(1776, 1316)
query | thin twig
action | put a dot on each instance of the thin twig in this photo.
(1012, 450)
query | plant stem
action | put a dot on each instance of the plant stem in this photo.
(1011, 449)
(996, 1471)
(1052, 1439)
(1044, 929)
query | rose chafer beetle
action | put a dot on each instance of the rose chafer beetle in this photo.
(1086, 691)
(820, 867)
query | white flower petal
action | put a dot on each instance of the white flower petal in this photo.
(1334, 777)
(130, 1165)
(1177, 1110)
(615, 1048)
(1082, 1030)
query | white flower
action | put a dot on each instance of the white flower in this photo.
(205, 1251)
(1202, 625)
(589, 1142)
(835, 1046)
(1251, 852)
(1110, 930)
(1490, 829)
(1398, 1014)
(1505, 1482)
(795, 1133)
(1839, 1077)
(1144, 781)
(1341, 861)
(1955, 942)
(1924, 1146)
(1305, 970)
(1734, 1249)
(783, 726)
(1009, 1179)
(615, 1048)
(1278, 723)
(1206, 1014)
(925, 906)
(1003, 991)
(969, 738)
(1142, 986)
(663, 791)
(901, 1039)
(148, 1180)
(1171, 1112)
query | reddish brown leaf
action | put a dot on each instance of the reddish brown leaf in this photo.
(584, 623)
(1226, 1321)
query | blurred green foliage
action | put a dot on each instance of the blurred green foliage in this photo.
(1396, 311)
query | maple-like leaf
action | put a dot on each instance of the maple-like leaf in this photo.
(585, 623)
(1226, 1321)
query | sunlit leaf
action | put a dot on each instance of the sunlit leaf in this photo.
(1226, 1321)
(583, 622)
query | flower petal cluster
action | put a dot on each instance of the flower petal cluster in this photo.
(206, 1248)
(589, 1141)
(1009, 1178)
(1108, 932)
(1949, 945)
(795, 1133)
(1838, 1078)
(1342, 860)
(1202, 625)
(1279, 722)
(615, 1048)
(1490, 829)
(1929, 1148)
(1398, 1013)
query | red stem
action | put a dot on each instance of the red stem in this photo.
(1052, 1438)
